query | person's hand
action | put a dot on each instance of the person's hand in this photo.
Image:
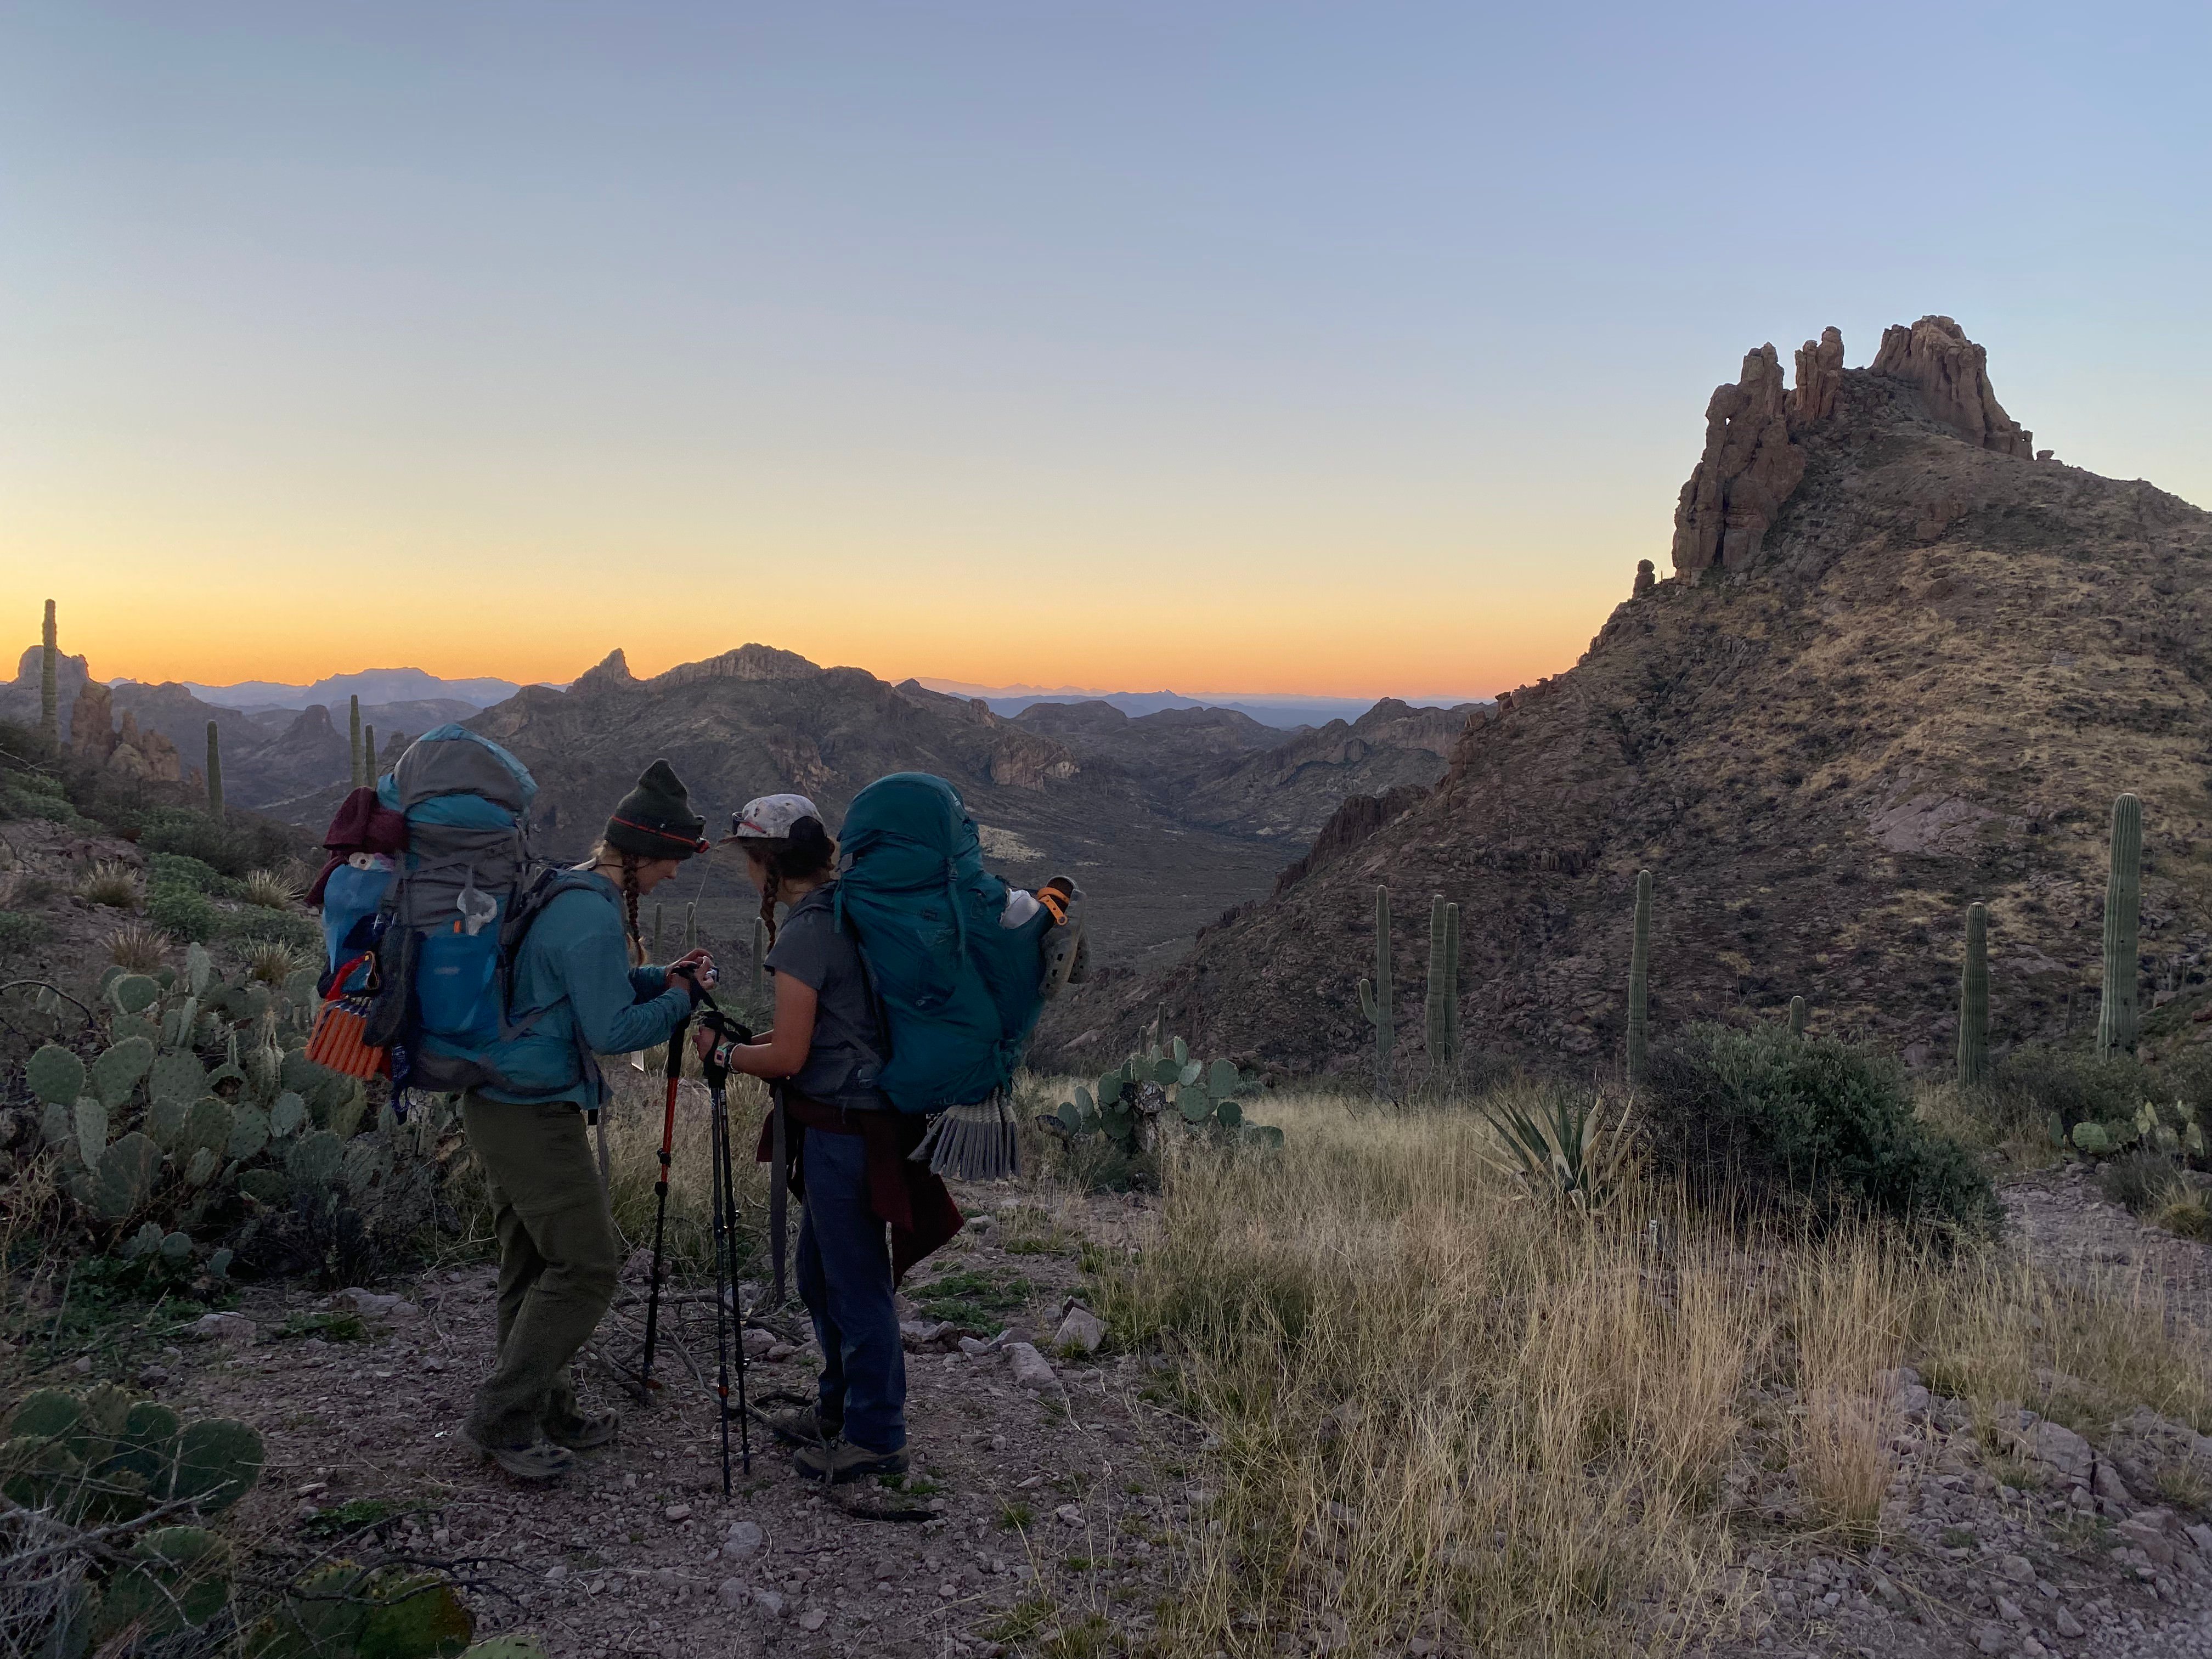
(698, 970)
(703, 1041)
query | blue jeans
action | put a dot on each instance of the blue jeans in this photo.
(844, 1279)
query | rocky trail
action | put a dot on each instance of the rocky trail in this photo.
(1056, 1485)
(1035, 1482)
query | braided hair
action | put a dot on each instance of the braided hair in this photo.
(807, 852)
(603, 853)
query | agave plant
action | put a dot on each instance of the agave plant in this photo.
(1559, 1147)
(272, 963)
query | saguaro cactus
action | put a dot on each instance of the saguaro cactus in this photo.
(353, 736)
(1974, 1001)
(1443, 1009)
(49, 693)
(1639, 977)
(2116, 1017)
(1796, 1017)
(214, 770)
(367, 754)
(1378, 997)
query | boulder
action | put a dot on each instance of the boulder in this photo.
(1031, 1369)
(1081, 1332)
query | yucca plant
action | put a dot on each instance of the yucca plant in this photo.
(138, 949)
(111, 884)
(1559, 1147)
(269, 890)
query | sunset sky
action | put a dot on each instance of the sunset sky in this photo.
(1342, 349)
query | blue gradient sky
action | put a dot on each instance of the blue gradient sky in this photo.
(1348, 348)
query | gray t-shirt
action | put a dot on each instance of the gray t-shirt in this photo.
(848, 1041)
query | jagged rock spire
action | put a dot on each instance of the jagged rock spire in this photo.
(1747, 472)
(1953, 375)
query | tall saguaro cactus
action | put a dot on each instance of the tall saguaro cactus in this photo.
(1443, 1009)
(1796, 1017)
(214, 770)
(1640, 979)
(352, 737)
(1974, 1001)
(50, 691)
(1378, 999)
(2116, 1017)
(367, 754)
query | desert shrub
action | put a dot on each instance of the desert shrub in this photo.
(2035, 1082)
(181, 869)
(1811, 1127)
(183, 913)
(254, 926)
(28, 795)
(137, 949)
(239, 843)
(2138, 1180)
(20, 934)
(110, 883)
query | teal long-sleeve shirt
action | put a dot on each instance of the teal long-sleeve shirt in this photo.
(575, 967)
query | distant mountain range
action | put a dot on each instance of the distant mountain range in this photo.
(371, 685)
(1285, 713)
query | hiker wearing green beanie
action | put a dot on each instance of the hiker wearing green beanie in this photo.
(581, 980)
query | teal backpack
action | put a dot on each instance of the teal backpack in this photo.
(959, 994)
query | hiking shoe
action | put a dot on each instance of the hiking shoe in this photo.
(843, 1461)
(804, 1425)
(538, 1461)
(584, 1432)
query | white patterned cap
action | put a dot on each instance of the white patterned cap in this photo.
(771, 818)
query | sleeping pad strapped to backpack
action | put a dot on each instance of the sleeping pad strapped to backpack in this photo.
(958, 994)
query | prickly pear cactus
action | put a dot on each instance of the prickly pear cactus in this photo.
(117, 1071)
(55, 1075)
(123, 1180)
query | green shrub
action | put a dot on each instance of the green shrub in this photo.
(291, 928)
(27, 796)
(182, 913)
(2035, 1082)
(181, 869)
(1807, 1126)
(193, 835)
(20, 934)
(2140, 1180)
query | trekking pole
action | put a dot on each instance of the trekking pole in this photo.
(675, 1070)
(729, 1321)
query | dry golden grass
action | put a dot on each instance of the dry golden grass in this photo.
(1442, 1410)
(272, 889)
(138, 949)
(633, 1127)
(111, 884)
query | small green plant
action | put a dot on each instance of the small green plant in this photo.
(974, 1297)
(183, 914)
(1014, 1515)
(20, 934)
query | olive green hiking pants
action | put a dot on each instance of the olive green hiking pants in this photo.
(558, 1257)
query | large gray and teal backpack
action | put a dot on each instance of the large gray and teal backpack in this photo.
(465, 893)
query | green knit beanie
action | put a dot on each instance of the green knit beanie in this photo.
(655, 819)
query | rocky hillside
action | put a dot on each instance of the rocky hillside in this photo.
(758, 720)
(1902, 663)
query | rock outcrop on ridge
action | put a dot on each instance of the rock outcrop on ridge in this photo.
(1923, 687)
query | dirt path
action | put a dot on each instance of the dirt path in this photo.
(1055, 1496)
